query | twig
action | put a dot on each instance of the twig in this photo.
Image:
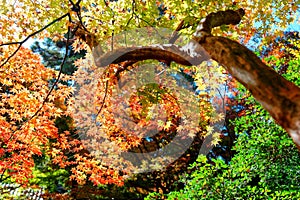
(1, 178)
(133, 13)
(175, 35)
(29, 36)
(76, 8)
(58, 76)
(103, 101)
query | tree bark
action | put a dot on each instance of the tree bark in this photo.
(281, 98)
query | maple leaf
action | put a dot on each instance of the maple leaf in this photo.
(167, 125)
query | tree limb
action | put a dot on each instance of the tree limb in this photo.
(191, 54)
(281, 98)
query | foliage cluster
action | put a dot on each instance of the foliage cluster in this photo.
(40, 143)
(266, 164)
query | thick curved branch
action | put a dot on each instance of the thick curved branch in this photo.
(281, 98)
(221, 18)
(191, 54)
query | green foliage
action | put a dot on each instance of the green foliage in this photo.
(267, 161)
(47, 175)
(52, 54)
(293, 71)
(266, 164)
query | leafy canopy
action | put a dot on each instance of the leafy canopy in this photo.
(24, 81)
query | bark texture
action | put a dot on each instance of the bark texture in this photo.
(165, 53)
(278, 96)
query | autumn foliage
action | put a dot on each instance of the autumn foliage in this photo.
(104, 114)
(24, 85)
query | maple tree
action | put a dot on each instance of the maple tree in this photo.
(96, 23)
(23, 136)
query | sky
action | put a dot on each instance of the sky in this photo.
(295, 26)
(28, 43)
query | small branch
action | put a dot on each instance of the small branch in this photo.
(182, 25)
(103, 101)
(53, 86)
(175, 35)
(217, 19)
(29, 36)
(2, 174)
(133, 12)
(76, 8)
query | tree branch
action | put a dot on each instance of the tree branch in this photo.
(220, 18)
(53, 86)
(281, 98)
(29, 36)
(188, 55)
